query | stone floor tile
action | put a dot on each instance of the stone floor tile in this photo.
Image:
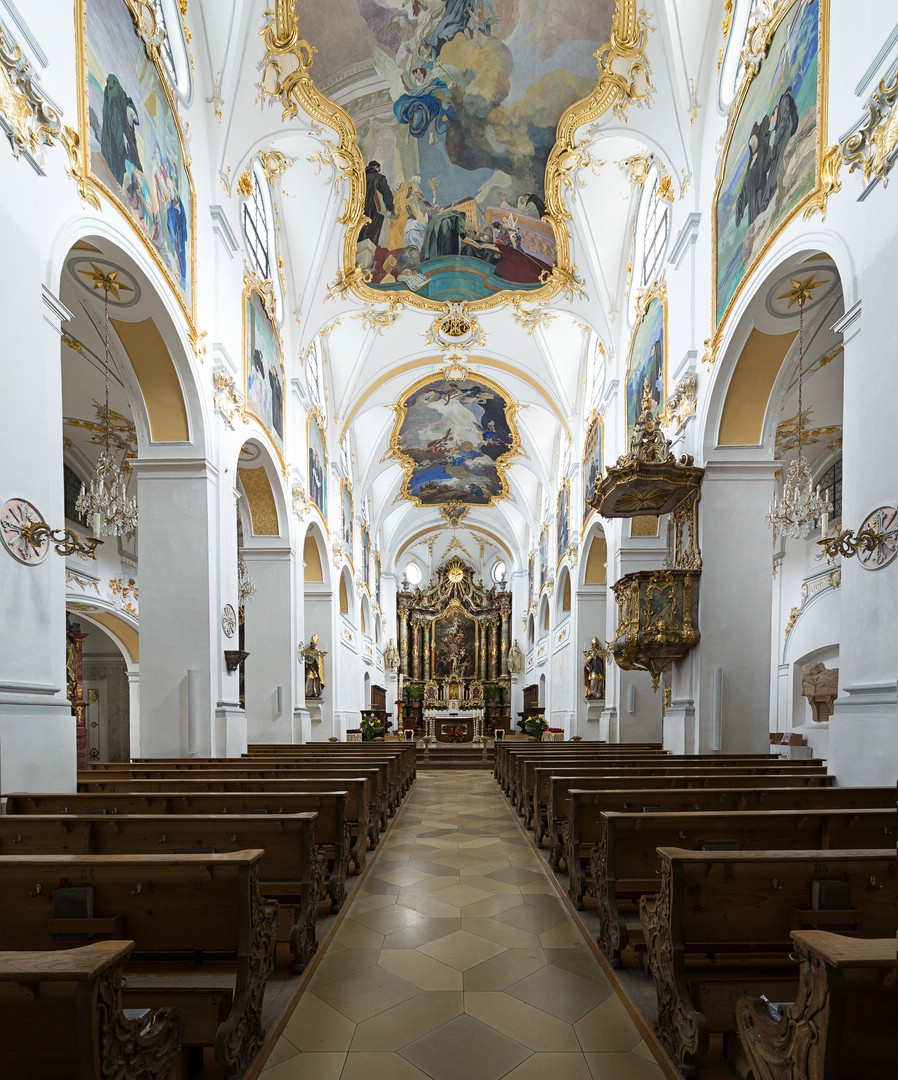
(430, 906)
(607, 1028)
(534, 920)
(310, 1066)
(420, 969)
(559, 992)
(395, 1028)
(527, 1025)
(415, 936)
(379, 1066)
(337, 965)
(465, 1048)
(516, 875)
(551, 1067)
(623, 1067)
(461, 950)
(353, 935)
(315, 1026)
(491, 905)
(460, 895)
(366, 993)
(388, 920)
(581, 961)
(504, 969)
(503, 934)
(403, 875)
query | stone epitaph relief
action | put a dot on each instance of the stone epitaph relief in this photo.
(456, 106)
(648, 356)
(772, 156)
(136, 153)
(454, 441)
(264, 376)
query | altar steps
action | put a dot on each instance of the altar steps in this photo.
(460, 757)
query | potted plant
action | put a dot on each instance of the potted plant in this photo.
(370, 727)
(492, 693)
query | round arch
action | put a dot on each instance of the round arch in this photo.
(265, 505)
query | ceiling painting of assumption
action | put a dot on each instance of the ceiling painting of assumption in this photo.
(454, 440)
(456, 104)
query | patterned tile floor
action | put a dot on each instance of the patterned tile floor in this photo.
(457, 961)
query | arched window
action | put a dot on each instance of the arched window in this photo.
(499, 572)
(413, 573)
(260, 235)
(173, 48)
(314, 381)
(830, 484)
(655, 230)
(732, 70)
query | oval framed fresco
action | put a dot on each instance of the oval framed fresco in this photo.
(457, 133)
(454, 440)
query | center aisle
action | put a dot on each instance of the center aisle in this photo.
(458, 961)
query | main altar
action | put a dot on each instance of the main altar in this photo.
(453, 644)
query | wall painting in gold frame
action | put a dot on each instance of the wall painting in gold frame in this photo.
(773, 164)
(135, 153)
(264, 378)
(648, 354)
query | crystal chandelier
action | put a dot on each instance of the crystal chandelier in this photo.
(246, 587)
(106, 505)
(794, 512)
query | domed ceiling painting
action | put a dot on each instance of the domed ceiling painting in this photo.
(456, 105)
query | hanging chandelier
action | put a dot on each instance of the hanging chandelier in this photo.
(246, 587)
(106, 505)
(796, 509)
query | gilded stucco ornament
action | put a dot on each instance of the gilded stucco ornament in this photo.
(28, 118)
(455, 328)
(872, 146)
(532, 317)
(228, 400)
(681, 405)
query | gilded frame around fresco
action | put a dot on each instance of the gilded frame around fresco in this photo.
(143, 14)
(317, 415)
(623, 79)
(454, 605)
(346, 486)
(563, 488)
(252, 286)
(824, 183)
(400, 410)
(597, 419)
(643, 302)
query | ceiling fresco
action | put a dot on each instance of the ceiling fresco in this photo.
(454, 440)
(456, 104)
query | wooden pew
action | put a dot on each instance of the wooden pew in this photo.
(314, 798)
(188, 908)
(379, 799)
(518, 760)
(507, 751)
(719, 928)
(582, 806)
(540, 777)
(841, 1025)
(625, 861)
(406, 752)
(63, 1016)
(184, 783)
(291, 870)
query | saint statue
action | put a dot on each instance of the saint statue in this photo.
(314, 661)
(594, 671)
(391, 656)
(515, 659)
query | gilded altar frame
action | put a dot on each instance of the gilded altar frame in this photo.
(827, 165)
(143, 15)
(623, 79)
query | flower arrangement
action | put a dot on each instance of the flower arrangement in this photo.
(370, 727)
(535, 726)
(455, 733)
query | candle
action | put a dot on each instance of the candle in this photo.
(824, 521)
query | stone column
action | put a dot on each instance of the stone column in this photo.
(863, 731)
(416, 647)
(505, 643)
(37, 729)
(426, 628)
(494, 647)
(483, 639)
(270, 666)
(736, 592)
(180, 624)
